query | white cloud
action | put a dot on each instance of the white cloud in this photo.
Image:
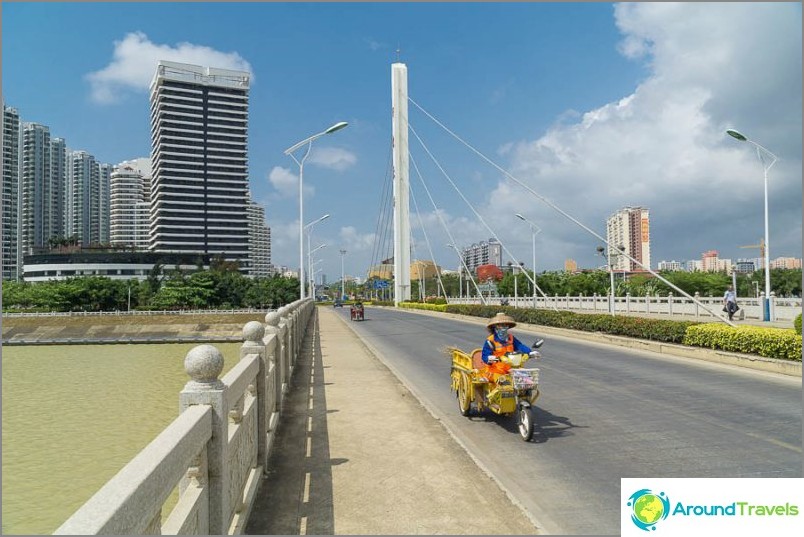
(332, 158)
(134, 62)
(354, 241)
(711, 66)
(286, 183)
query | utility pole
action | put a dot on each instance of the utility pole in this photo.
(343, 281)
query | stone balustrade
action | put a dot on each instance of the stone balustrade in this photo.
(216, 450)
(781, 309)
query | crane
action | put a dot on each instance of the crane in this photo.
(761, 247)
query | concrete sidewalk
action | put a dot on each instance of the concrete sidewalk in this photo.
(357, 454)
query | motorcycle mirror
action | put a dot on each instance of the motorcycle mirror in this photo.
(538, 343)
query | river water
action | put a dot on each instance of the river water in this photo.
(74, 415)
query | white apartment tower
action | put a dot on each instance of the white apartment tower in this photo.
(259, 241)
(629, 229)
(11, 264)
(129, 207)
(199, 121)
(482, 253)
(104, 208)
(84, 195)
(35, 187)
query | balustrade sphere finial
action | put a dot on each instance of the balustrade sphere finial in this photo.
(272, 318)
(204, 363)
(253, 331)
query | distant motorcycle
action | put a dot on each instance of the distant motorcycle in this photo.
(512, 395)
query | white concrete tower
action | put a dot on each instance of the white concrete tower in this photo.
(399, 101)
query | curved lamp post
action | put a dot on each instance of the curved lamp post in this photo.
(760, 152)
(343, 284)
(309, 235)
(289, 151)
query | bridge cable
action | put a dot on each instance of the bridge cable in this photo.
(381, 237)
(427, 241)
(565, 214)
(446, 229)
(482, 220)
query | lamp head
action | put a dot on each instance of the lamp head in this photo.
(336, 127)
(736, 134)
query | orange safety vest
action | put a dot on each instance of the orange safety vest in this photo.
(494, 370)
(499, 348)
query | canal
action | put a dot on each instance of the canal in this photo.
(74, 415)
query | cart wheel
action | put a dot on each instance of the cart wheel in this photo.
(525, 422)
(464, 396)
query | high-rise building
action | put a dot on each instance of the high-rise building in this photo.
(785, 263)
(129, 207)
(84, 195)
(259, 241)
(570, 265)
(59, 177)
(628, 230)
(11, 259)
(482, 253)
(104, 207)
(199, 121)
(671, 266)
(35, 187)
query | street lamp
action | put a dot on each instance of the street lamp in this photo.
(289, 151)
(310, 268)
(534, 229)
(602, 253)
(309, 235)
(343, 282)
(760, 152)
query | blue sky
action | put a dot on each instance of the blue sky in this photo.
(594, 105)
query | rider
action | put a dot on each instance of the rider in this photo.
(498, 343)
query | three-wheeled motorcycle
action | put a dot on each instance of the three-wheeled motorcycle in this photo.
(512, 394)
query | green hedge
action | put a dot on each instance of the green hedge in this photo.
(780, 343)
(797, 324)
(419, 306)
(652, 329)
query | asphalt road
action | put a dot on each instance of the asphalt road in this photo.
(605, 413)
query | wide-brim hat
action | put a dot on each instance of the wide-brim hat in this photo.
(501, 318)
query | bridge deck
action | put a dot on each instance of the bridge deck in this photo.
(357, 454)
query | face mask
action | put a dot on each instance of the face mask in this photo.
(501, 333)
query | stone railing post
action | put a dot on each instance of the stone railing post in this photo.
(594, 301)
(204, 364)
(628, 302)
(275, 326)
(286, 319)
(670, 302)
(253, 334)
(697, 298)
(647, 302)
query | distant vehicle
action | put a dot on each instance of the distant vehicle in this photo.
(338, 303)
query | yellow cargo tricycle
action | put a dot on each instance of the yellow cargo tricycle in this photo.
(512, 395)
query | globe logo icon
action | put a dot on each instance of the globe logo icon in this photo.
(648, 508)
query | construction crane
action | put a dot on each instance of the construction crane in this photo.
(761, 247)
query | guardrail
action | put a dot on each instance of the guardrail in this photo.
(216, 450)
(134, 312)
(781, 309)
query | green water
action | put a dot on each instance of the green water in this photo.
(74, 415)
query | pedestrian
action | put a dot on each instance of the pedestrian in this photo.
(730, 302)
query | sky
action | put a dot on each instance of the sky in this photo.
(593, 106)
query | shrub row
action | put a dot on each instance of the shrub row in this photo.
(769, 342)
(419, 306)
(797, 324)
(652, 329)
